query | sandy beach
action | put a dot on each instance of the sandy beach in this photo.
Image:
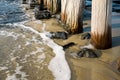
(26, 53)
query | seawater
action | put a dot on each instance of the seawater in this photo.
(24, 52)
(11, 11)
(18, 46)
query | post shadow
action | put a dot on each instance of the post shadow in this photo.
(116, 41)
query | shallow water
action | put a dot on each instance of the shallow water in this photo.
(19, 47)
(11, 11)
(22, 52)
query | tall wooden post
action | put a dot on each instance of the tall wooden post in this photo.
(45, 2)
(71, 15)
(101, 23)
(53, 5)
(63, 10)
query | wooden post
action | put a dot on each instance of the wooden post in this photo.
(101, 24)
(63, 10)
(71, 15)
(45, 2)
(53, 5)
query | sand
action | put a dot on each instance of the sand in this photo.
(102, 68)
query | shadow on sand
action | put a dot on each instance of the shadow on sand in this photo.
(116, 41)
(117, 25)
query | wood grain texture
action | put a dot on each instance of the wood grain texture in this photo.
(74, 12)
(53, 5)
(101, 24)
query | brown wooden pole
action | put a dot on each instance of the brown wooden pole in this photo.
(71, 15)
(101, 24)
(54, 6)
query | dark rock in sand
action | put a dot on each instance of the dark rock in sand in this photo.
(40, 7)
(45, 14)
(119, 69)
(24, 2)
(33, 3)
(85, 36)
(59, 35)
(66, 46)
(89, 53)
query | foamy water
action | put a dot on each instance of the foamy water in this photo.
(17, 71)
(58, 65)
(18, 52)
(17, 48)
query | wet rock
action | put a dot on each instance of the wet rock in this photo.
(45, 14)
(40, 7)
(66, 46)
(89, 53)
(41, 13)
(119, 69)
(59, 35)
(24, 2)
(33, 3)
(85, 36)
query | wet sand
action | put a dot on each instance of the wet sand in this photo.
(103, 68)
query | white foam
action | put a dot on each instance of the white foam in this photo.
(38, 21)
(34, 40)
(12, 34)
(17, 71)
(89, 46)
(32, 54)
(37, 51)
(58, 65)
(3, 68)
(19, 46)
(41, 58)
(27, 43)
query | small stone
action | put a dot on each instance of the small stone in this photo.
(24, 2)
(33, 3)
(119, 69)
(45, 14)
(68, 45)
(59, 35)
(89, 53)
(85, 36)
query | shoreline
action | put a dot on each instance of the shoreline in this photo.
(79, 66)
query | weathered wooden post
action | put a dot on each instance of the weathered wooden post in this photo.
(53, 5)
(45, 2)
(71, 15)
(101, 24)
(63, 10)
